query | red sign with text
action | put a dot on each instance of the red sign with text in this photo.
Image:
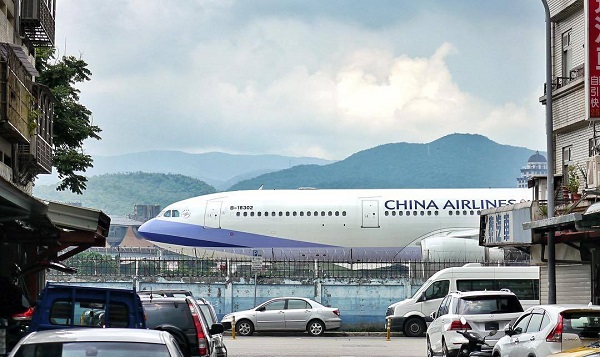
(592, 73)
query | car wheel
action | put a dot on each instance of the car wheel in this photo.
(429, 350)
(244, 328)
(315, 328)
(414, 327)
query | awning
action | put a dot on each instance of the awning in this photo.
(26, 219)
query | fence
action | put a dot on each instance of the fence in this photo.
(186, 267)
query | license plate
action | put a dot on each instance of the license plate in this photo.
(492, 325)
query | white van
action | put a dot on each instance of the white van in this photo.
(412, 315)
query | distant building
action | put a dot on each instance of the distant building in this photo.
(536, 166)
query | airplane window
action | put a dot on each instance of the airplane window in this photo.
(450, 213)
(330, 213)
(308, 213)
(400, 213)
(259, 213)
(175, 213)
(458, 213)
(437, 213)
(323, 213)
(464, 213)
(429, 213)
(408, 213)
(414, 213)
(301, 213)
(294, 213)
(237, 214)
(287, 214)
(273, 214)
(478, 213)
(245, 214)
(267, 214)
(422, 213)
(387, 213)
(337, 213)
(316, 213)
(344, 213)
(280, 214)
(251, 214)
(472, 212)
(168, 214)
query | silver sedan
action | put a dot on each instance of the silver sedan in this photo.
(98, 342)
(285, 314)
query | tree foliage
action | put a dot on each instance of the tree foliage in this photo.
(72, 120)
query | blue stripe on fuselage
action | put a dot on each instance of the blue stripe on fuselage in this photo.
(192, 235)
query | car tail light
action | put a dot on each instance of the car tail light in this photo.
(24, 316)
(556, 334)
(202, 341)
(336, 312)
(457, 325)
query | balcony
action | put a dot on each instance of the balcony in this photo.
(15, 96)
(37, 22)
(559, 82)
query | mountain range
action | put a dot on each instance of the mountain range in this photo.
(162, 177)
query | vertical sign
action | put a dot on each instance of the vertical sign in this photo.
(592, 59)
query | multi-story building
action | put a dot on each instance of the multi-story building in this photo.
(34, 235)
(536, 166)
(575, 223)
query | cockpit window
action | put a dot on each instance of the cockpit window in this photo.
(175, 213)
(167, 214)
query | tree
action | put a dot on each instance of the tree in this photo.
(72, 124)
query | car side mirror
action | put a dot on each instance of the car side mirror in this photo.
(216, 329)
(433, 315)
(423, 297)
(262, 308)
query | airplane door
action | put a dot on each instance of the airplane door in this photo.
(212, 215)
(370, 214)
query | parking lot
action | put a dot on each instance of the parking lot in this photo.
(332, 345)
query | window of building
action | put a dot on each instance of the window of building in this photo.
(567, 54)
(593, 143)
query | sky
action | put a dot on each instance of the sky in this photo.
(306, 77)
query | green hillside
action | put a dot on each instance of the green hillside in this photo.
(453, 161)
(116, 194)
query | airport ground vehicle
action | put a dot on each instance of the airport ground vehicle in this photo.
(285, 314)
(546, 329)
(476, 311)
(411, 315)
(182, 317)
(69, 306)
(97, 342)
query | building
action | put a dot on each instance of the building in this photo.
(575, 223)
(34, 235)
(536, 166)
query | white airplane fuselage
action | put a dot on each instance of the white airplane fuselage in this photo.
(313, 220)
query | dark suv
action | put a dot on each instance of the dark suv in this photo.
(183, 318)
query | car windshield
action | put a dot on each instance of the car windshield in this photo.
(583, 323)
(93, 349)
(491, 304)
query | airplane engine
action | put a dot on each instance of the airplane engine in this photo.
(447, 248)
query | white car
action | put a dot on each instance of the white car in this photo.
(97, 342)
(483, 312)
(547, 329)
(285, 314)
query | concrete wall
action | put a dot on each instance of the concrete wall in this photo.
(362, 303)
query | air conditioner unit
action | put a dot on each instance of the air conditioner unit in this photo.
(593, 172)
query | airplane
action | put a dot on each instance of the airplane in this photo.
(349, 224)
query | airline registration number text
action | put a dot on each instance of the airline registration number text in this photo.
(241, 207)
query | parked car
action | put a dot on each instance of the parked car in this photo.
(285, 314)
(97, 342)
(547, 329)
(182, 317)
(211, 318)
(483, 312)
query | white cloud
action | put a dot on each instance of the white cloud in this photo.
(196, 78)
